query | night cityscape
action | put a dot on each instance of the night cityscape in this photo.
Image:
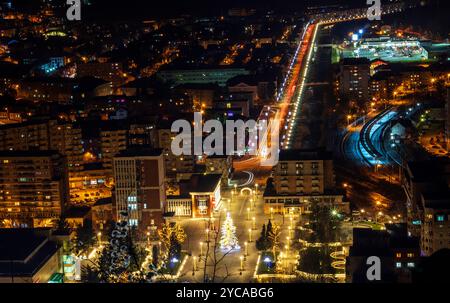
(237, 142)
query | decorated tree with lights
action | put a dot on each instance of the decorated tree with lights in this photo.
(228, 240)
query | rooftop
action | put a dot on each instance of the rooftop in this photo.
(199, 183)
(28, 153)
(305, 154)
(429, 170)
(103, 201)
(24, 251)
(139, 151)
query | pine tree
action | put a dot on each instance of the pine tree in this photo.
(229, 241)
(268, 232)
(261, 243)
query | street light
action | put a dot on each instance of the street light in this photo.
(249, 235)
(242, 263)
(248, 213)
(254, 223)
(195, 263)
(377, 215)
(271, 213)
(246, 248)
(201, 249)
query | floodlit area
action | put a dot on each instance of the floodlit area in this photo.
(387, 50)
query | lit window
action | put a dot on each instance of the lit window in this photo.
(410, 264)
(398, 255)
(440, 218)
(410, 255)
(398, 264)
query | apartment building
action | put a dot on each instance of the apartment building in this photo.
(177, 167)
(113, 140)
(139, 187)
(353, 78)
(45, 135)
(201, 76)
(435, 233)
(399, 254)
(34, 187)
(426, 185)
(418, 178)
(300, 178)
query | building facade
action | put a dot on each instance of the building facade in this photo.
(45, 135)
(435, 233)
(139, 187)
(198, 197)
(201, 76)
(300, 178)
(353, 79)
(34, 188)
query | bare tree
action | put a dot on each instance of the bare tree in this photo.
(214, 256)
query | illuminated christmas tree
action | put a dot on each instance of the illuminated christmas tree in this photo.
(229, 241)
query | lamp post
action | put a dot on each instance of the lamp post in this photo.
(195, 264)
(249, 235)
(379, 214)
(246, 249)
(248, 213)
(242, 263)
(271, 213)
(148, 238)
(254, 223)
(207, 235)
(99, 237)
(256, 189)
(201, 249)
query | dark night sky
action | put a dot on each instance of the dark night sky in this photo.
(175, 7)
(434, 17)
